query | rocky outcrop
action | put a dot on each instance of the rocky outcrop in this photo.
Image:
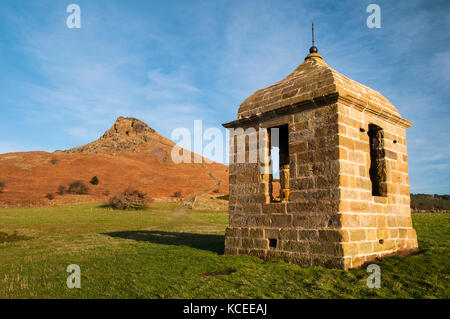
(127, 135)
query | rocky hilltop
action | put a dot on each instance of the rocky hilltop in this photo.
(126, 135)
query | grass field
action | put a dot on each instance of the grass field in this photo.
(161, 252)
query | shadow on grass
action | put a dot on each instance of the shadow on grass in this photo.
(214, 243)
(5, 238)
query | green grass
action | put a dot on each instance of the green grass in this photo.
(161, 252)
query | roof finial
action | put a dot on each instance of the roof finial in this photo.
(313, 49)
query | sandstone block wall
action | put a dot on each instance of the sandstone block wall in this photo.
(372, 225)
(306, 228)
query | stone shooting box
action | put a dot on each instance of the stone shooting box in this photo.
(342, 197)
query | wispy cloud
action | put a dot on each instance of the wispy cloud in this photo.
(7, 147)
(441, 66)
(89, 79)
(82, 133)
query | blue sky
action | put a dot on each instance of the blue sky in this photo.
(171, 62)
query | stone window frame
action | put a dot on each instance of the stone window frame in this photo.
(267, 176)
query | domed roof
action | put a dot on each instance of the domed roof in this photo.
(313, 78)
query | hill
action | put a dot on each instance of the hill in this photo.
(130, 154)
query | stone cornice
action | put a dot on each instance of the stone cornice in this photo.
(319, 101)
(371, 108)
(285, 110)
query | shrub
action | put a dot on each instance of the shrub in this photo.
(424, 206)
(215, 191)
(2, 187)
(224, 197)
(50, 196)
(177, 195)
(78, 188)
(94, 180)
(54, 161)
(129, 199)
(61, 190)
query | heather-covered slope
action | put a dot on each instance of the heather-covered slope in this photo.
(129, 154)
